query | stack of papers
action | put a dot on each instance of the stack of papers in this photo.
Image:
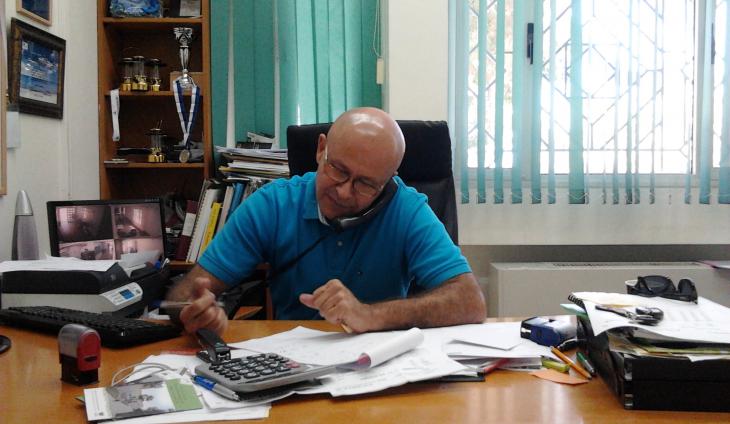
(367, 363)
(234, 153)
(697, 331)
(263, 163)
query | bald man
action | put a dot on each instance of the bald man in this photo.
(344, 243)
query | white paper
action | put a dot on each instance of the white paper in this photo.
(526, 349)
(250, 413)
(214, 407)
(499, 335)
(132, 261)
(415, 365)
(393, 347)
(319, 347)
(56, 264)
(275, 154)
(705, 321)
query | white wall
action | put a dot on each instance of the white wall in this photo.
(416, 51)
(415, 46)
(58, 159)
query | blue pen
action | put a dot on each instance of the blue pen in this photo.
(215, 388)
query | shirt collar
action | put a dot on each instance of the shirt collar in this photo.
(311, 208)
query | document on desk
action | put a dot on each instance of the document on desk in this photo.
(703, 322)
(395, 358)
(497, 335)
(416, 365)
(526, 349)
(331, 348)
(213, 408)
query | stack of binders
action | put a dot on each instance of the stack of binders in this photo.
(648, 369)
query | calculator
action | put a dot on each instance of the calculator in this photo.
(260, 372)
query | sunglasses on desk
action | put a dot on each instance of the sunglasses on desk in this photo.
(659, 285)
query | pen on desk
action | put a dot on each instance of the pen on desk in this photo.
(347, 329)
(586, 363)
(171, 304)
(215, 388)
(568, 361)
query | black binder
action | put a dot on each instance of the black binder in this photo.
(669, 384)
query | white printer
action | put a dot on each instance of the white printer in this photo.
(111, 291)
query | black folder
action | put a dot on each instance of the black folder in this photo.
(650, 383)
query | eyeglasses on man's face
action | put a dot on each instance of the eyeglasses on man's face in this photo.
(340, 176)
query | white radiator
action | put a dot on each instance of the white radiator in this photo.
(538, 288)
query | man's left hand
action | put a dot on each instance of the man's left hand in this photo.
(338, 305)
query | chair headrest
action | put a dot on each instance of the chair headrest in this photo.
(427, 156)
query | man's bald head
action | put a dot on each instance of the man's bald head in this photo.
(373, 126)
(364, 147)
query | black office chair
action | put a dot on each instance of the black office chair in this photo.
(426, 164)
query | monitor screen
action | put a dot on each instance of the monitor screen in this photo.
(105, 229)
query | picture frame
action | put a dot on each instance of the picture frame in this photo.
(36, 70)
(38, 10)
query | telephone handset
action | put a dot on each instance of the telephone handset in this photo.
(346, 222)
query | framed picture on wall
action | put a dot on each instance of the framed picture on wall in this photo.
(36, 69)
(38, 10)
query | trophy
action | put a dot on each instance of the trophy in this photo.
(156, 136)
(184, 36)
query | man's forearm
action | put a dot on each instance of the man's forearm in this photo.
(457, 301)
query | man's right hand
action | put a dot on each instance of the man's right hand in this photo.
(203, 312)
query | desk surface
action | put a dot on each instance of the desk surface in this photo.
(31, 390)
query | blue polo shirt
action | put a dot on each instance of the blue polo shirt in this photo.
(404, 243)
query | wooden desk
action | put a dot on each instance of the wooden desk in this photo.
(31, 391)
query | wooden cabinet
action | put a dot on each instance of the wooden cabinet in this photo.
(141, 111)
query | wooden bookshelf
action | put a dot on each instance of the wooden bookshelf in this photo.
(140, 111)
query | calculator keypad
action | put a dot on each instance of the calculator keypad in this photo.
(254, 368)
(262, 371)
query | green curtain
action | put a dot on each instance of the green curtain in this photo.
(326, 59)
(591, 97)
(250, 23)
(576, 179)
(326, 62)
(723, 195)
(705, 105)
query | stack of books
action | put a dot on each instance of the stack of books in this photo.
(243, 164)
(206, 217)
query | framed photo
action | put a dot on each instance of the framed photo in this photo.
(38, 10)
(35, 71)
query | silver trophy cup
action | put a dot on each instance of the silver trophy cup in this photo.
(184, 36)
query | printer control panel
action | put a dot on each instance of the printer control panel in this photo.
(126, 294)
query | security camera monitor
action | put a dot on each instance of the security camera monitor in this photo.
(105, 229)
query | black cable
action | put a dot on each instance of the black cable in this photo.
(285, 267)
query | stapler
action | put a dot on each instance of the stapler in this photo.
(215, 350)
(546, 331)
